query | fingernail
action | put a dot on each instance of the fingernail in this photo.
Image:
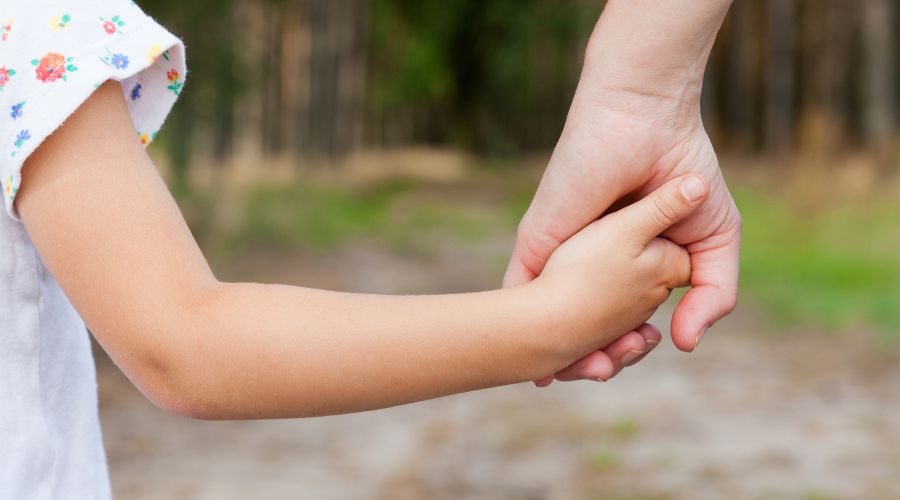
(630, 356)
(652, 342)
(693, 188)
(599, 379)
(699, 338)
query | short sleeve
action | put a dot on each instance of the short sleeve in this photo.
(53, 55)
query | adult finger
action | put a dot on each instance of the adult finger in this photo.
(663, 208)
(713, 295)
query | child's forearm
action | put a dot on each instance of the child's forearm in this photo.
(267, 351)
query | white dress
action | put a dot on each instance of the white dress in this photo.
(53, 55)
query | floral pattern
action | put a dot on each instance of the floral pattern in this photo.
(136, 92)
(10, 187)
(5, 73)
(153, 53)
(112, 25)
(116, 60)
(21, 137)
(60, 22)
(79, 31)
(146, 138)
(16, 110)
(53, 67)
(5, 29)
(175, 84)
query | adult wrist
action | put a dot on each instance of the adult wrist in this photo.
(653, 48)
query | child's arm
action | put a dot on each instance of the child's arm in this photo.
(109, 231)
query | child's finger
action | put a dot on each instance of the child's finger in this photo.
(669, 204)
(652, 338)
(674, 262)
(622, 352)
(595, 366)
(602, 365)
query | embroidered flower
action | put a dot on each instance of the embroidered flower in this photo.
(53, 67)
(5, 73)
(22, 137)
(9, 187)
(111, 26)
(20, 140)
(173, 77)
(136, 92)
(60, 22)
(16, 110)
(153, 53)
(119, 61)
(5, 29)
(146, 138)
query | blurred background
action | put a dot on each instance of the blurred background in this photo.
(391, 146)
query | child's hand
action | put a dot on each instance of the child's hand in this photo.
(612, 275)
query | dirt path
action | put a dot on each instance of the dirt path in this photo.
(752, 414)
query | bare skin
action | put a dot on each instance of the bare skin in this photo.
(635, 124)
(107, 228)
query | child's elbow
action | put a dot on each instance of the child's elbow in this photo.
(186, 405)
(181, 395)
(174, 379)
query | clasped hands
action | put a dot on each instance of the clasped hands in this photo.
(633, 139)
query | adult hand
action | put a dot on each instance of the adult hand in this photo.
(634, 124)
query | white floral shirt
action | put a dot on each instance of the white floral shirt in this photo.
(53, 55)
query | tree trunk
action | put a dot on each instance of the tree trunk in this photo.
(742, 74)
(338, 86)
(779, 77)
(827, 47)
(879, 59)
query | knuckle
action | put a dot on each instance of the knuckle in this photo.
(664, 212)
(651, 259)
(536, 246)
(660, 295)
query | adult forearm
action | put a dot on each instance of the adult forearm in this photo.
(269, 351)
(654, 47)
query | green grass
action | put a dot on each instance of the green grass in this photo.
(625, 429)
(317, 216)
(604, 460)
(323, 217)
(838, 268)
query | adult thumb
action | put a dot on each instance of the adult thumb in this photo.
(670, 203)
